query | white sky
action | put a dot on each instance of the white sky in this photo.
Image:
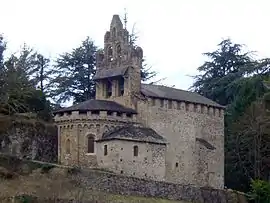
(173, 33)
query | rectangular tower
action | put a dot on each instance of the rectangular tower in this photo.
(118, 76)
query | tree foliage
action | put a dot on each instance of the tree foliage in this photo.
(2, 49)
(260, 191)
(18, 93)
(234, 78)
(74, 74)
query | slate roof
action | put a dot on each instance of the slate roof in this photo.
(101, 105)
(205, 143)
(105, 73)
(164, 92)
(133, 133)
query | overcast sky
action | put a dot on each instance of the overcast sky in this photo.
(173, 33)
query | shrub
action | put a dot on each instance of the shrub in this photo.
(260, 191)
(46, 167)
(73, 170)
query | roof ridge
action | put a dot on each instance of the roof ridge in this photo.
(172, 93)
(170, 88)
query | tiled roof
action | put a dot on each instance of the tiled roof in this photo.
(133, 133)
(101, 105)
(164, 92)
(105, 73)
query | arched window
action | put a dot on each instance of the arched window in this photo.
(98, 128)
(118, 50)
(114, 32)
(110, 53)
(91, 144)
(105, 150)
(121, 83)
(108, 89)
(106, 129)
(135, 151)
(68, 146)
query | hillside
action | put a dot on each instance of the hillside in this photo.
(48, 184)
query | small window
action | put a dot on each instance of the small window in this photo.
(98, 128)
(91, 144)
(161, 103)
(105, 150)
(121, 83)
(195, 109)
(109, 113)
(110, 53)
(121, 160)
(61, 114)
(135, 151)
(95, 112)
(119, 114)
(68, 146)
(170, 104)
(121, 172)
(178, 105)
(118, 51)
(108, 89)
(176, 164)
(82, 112)
(129, 115)
(114, 32)
(153, 100)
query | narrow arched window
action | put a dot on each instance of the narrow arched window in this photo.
(91, 144)
(110, 53)
(135, 151)
(121, 83)
(105, 150)
(114, 32)
(109, 89)
(118, 50)
(68, 146)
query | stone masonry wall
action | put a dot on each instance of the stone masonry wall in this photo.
(187, 161)
(75, 128)
(124, 185)
(150, 162)
(28, 138)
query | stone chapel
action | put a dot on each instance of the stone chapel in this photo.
(142, 130)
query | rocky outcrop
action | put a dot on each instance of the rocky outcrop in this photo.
(28, 138)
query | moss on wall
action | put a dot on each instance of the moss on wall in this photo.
(27, 137)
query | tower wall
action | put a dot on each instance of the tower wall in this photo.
(189, 160)
(118, 61)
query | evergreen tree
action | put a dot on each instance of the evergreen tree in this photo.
(2, 49)
(226, 65)
(233, 78)
(18, 93)
(75, 71)
(43, 74)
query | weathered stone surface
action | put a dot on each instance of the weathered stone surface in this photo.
(124, 185)
(6, 174)
(193, 128)
(58, 172)
(29, 139)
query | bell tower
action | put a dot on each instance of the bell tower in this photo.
(118, 75)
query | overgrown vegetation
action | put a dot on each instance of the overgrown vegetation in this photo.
(260, 191)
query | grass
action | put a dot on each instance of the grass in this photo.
(57, 185)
